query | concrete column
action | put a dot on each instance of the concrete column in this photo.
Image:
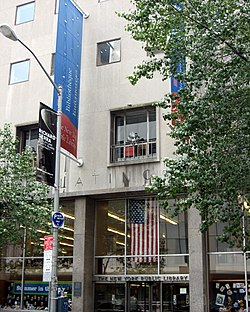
(83, 255)
(199, 301)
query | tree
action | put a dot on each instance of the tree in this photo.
(23, 201)
(210, 42)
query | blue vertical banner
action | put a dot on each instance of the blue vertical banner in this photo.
(176, 85)
(68, 70)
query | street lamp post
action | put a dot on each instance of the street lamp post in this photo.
(10, 34)
(53, 283)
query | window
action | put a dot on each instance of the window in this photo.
(216, 245)
(25, 13)
(28, 136)
(133, 134)
(52, 65)
(173, 233)
(56, 7)
(110, 228)
(108, 52)
(110, 297)
(66, 238)
(137, 236)
(19, 71)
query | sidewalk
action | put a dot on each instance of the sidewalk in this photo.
(19, 310)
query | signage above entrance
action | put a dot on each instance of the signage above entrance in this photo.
(171, 278)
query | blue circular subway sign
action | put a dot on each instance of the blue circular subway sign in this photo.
(58, 219)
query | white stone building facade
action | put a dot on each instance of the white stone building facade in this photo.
(122, 140)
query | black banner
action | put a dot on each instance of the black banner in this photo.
(46, 148)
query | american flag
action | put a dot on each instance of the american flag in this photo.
(143, 217)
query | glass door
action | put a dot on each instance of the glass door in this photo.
(175, 297)
(155, 297)
(144, 297)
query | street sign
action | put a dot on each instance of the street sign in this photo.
(58, 219)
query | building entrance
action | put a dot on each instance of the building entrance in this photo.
(157, 297)
(142, 297)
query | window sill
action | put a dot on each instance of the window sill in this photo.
(134, 161)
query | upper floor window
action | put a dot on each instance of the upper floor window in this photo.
(19, 71)
(52, 65)
(28, 136)
(108, 52)
(25, 12)
(133, 134)
(56, 6)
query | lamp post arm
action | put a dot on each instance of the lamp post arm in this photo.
(48, 76)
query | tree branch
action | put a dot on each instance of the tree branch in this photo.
(234, 50)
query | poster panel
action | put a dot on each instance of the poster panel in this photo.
(47, 258)
(46, 147)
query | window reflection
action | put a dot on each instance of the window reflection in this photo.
(225, 263)
(148, 265)
(108, 52)
(110, 265)
(27, 138)
(110, 297)
(155, 242)
(66, 234)
(25, 13)
(35, 248)
(214, 244)
(174, 264)
(19, 72)
(110, 228)
(173, 234)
